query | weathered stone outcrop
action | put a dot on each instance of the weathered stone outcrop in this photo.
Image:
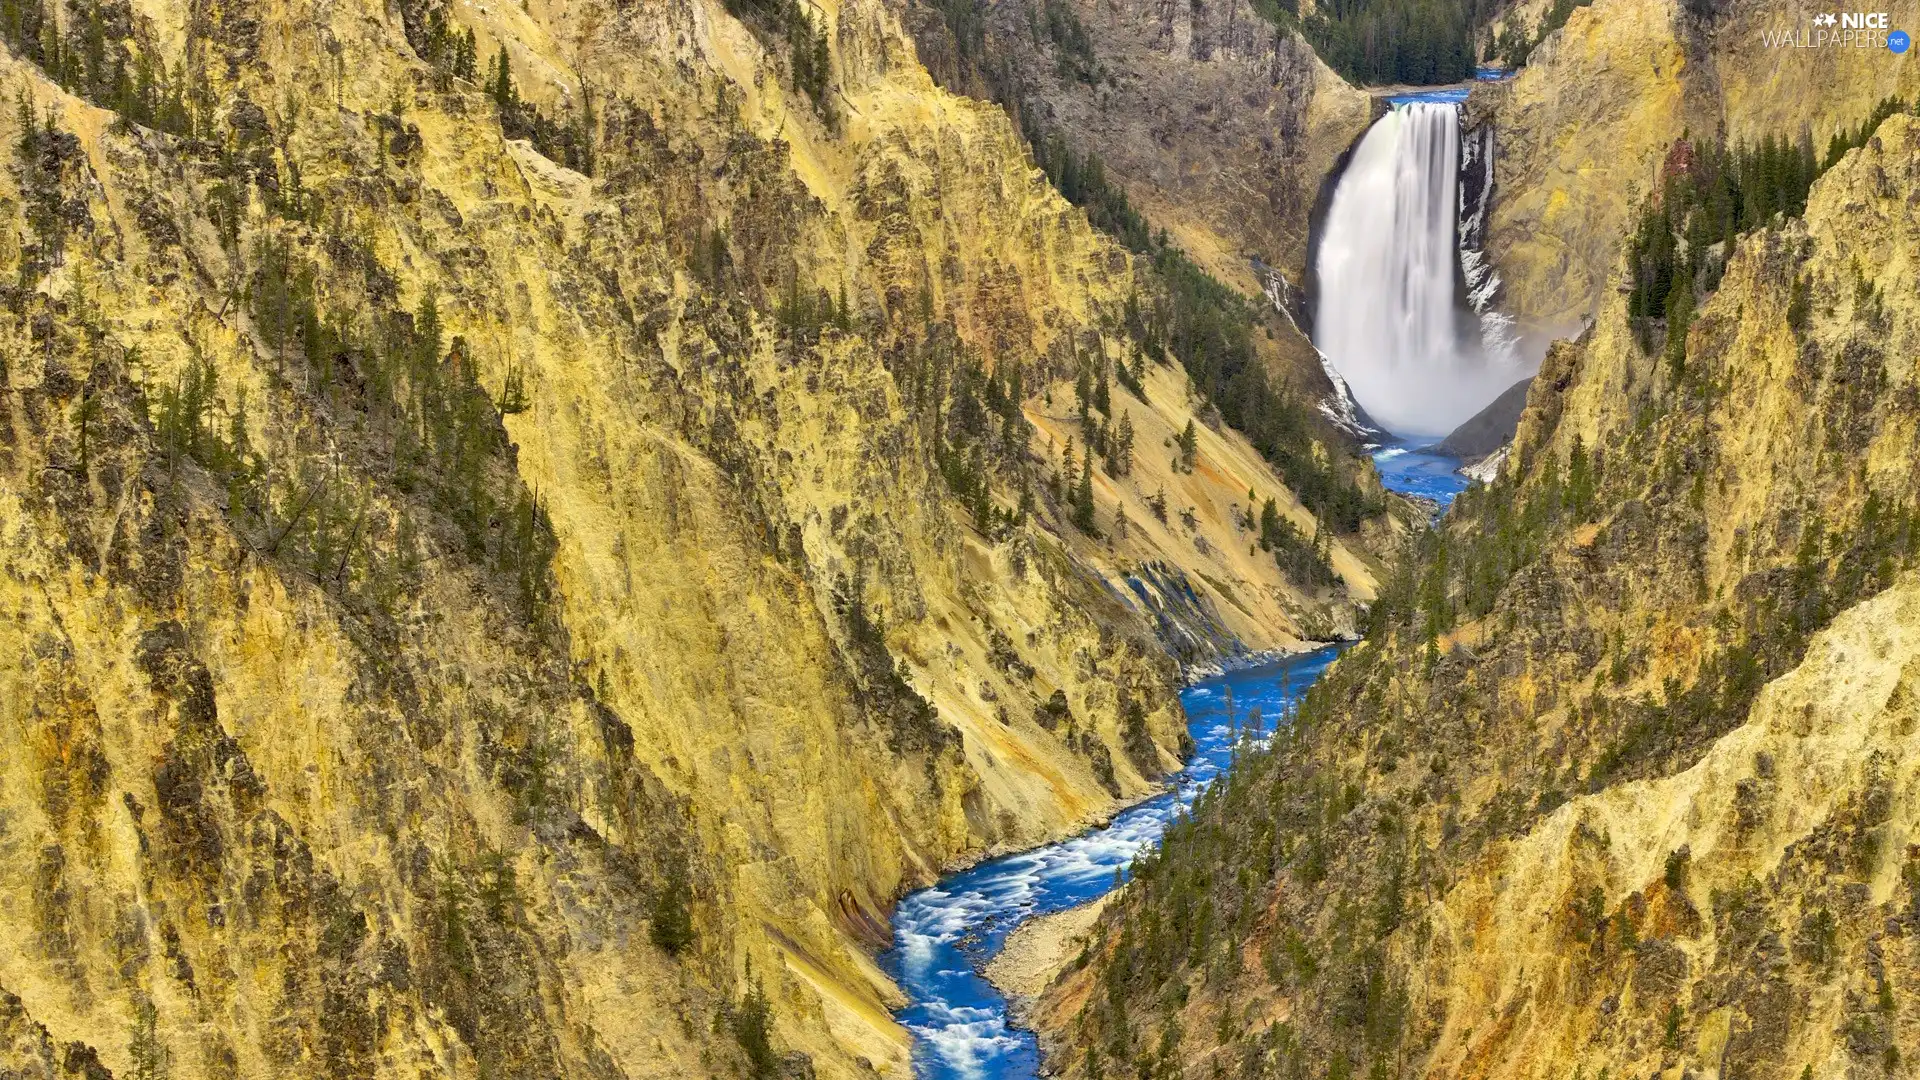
(1220, 126)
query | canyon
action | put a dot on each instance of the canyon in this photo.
(533, 531)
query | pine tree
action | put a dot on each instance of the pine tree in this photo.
(1580, 479)
(500, 78)
(671, 922)
(1270, 523)
(93, 55)
(1679, 317)
(1083, 498)
(1189, 444)
(753, 1030)
(83, 416)
(718, 256)
(148, 1053)
(1013, 429)
(513, 395)
(1123, 446)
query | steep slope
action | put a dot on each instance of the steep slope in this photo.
(1582, 130)
(1220, 126)
(1199, 135)
(1621, 781)
(512, 574)
(1488, 430)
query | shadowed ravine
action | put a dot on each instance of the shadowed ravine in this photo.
(945, 935)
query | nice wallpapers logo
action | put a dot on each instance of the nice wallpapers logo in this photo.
(1846, 30)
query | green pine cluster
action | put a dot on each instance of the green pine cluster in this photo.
(101, 59)
(434, 435)
(1376, 42)
(1293, 873)
(1514, 44)
(1307, 561)
(1051, 24)
(972, 418)
(44, 156)
(803, 315)
(753, 1030)
(1107, 434)
(1061, 28)
(1185, 314)
(1456, 574)
(1711, 195)
(1082, 179)
(809, 63)
(1209, 329)
(451, 53)
(569, 143)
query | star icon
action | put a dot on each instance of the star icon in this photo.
(1824, 20)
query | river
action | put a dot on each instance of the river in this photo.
(1406, 467)
(945, 934)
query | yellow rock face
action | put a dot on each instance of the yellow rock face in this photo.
(1583, 129)
(1790, 828)
(273, 813)
(1835, 734)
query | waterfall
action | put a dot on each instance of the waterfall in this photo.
(1394, 315)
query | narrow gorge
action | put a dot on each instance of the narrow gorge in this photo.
(1391, 268)
(795, 540)
(1618, 782)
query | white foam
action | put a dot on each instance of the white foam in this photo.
(1386, 313)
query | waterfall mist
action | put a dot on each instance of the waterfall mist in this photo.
(1392, 315)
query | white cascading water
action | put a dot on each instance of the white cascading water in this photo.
(1387, 316)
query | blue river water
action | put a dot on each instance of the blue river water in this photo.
(1452, 95)
(1405, 467)
(944, 935)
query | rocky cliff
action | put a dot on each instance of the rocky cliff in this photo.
(1583, 129)
(1622, 781)
(1220, 125)
(526, 526)
(1202, 123)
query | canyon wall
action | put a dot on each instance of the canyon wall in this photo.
(526, 526)
(1220, 126)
